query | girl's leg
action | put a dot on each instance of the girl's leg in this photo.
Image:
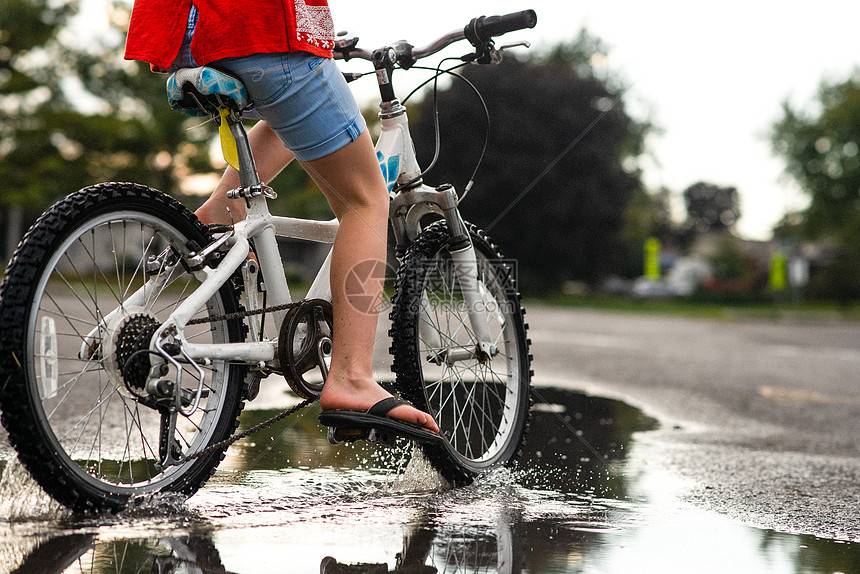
(352, 182)
(271, 157)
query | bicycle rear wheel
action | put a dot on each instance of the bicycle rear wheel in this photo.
(481, 406)
(74, 402)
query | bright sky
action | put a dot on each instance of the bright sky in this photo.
(711, 75)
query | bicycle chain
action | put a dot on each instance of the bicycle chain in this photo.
(243, 314)
(265, 424)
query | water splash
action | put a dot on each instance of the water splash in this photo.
(156, 505)
(22, 499)
(24, 510)
(419, 476)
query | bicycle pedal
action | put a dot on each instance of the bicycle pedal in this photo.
(338, 435)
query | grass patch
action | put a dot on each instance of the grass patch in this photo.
(753, 308)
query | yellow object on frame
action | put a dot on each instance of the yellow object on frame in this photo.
(228, 142)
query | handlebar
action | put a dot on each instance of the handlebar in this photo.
(485, 28)
(479, 31)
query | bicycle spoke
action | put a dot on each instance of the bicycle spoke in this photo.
(71, 384)
(67, 317)
(477, 400)
(90, 289)
(97, 271)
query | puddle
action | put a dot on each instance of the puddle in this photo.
(582, 500)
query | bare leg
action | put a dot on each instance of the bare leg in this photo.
(271, 157)
(352, 182)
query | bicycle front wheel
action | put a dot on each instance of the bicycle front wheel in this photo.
(79, 303)
(481, 404)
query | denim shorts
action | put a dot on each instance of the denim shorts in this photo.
(303, 98)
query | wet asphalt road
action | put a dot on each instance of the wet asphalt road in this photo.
(760, 417)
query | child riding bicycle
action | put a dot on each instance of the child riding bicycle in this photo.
(282, 52)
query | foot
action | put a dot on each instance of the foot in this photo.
(209, 215)
(361, 394)
(215, 211)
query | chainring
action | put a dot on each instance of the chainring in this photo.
(305, 345)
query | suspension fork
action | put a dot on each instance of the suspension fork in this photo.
(407, 209)
(409, 205)
(462, 253)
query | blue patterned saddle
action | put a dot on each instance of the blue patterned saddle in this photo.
(202, 91)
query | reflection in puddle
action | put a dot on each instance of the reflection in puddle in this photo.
(286, 501)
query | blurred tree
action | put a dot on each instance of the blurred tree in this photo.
(30, 97)
(133, 134)
(821, 150)
(729, 262)
(790, 227)
(647, 215)
(822, 153)
(711, 207)
(73, 112)
(650, 215)
(560, 166)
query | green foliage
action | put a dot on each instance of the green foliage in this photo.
(71, 116)
(30, 74)
(27, 30)
(822, 153)
(646, 215)
(560, 166)
(298, 195)
(839, 279)
(729, 262)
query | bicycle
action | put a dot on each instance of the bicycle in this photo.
(133, 334)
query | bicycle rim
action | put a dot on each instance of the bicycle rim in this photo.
(81, 328)
(481, 405)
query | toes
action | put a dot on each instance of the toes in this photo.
(420, 418)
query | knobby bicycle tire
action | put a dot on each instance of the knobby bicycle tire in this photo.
(482, 407)
(72, 413)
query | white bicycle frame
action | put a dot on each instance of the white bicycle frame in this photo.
(396, 155)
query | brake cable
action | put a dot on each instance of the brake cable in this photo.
(436, 128)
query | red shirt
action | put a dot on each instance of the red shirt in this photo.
(228, 29)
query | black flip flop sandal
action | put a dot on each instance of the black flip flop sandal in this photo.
(373, 425)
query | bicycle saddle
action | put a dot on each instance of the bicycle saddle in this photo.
(202, 91)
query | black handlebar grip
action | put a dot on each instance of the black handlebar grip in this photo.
(484, 28)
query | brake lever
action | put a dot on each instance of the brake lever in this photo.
(492, 55)
(521, 44)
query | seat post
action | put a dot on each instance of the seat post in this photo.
(248, 176)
